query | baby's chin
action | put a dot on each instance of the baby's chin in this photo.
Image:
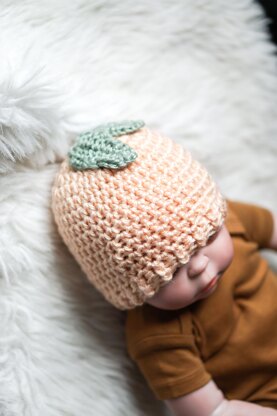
(175, 304)
(171, 305)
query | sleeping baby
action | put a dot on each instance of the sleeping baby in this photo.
(154, 235)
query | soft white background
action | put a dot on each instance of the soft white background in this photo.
(201, 71)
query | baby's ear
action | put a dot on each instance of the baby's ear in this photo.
(34, 120)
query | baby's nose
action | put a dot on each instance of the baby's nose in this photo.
(197, 265)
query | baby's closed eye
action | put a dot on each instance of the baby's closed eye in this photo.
(213, 237)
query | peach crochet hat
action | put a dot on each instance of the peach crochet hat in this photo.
(132, 206)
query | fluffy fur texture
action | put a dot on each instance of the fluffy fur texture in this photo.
(203, 72)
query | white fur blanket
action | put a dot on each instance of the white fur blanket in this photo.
(201, 71)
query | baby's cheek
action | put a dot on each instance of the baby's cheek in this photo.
(180, 293)
(228, 252)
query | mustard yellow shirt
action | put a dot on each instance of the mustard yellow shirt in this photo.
(230, 337)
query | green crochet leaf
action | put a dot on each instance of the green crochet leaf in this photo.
(98, 149)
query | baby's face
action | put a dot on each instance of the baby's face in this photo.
(199, 277)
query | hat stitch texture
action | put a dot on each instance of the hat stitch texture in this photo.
(131, 228)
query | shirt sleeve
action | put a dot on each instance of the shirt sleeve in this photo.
(258, 222)
(170, 364)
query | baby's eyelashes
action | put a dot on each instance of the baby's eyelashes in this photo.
(212, 237)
